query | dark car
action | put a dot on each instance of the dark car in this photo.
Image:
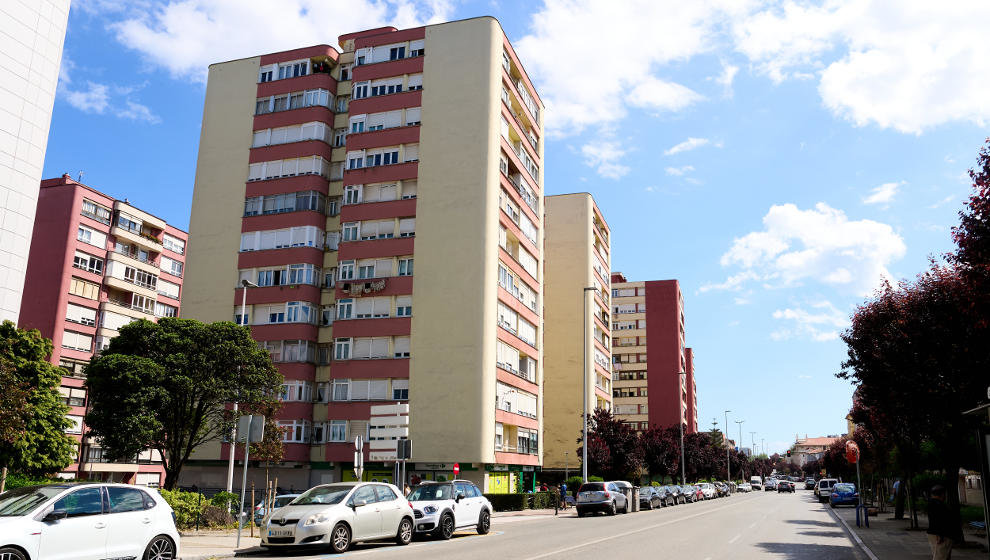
(677, 493)
(666, 497)
(722, 488)
(809, 483)
(785, 486)
(649, 498)
(691, 493)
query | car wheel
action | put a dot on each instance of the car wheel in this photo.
(160, 548)
(611, 508)
(11, 554)
(405, 533)
(649, 505)
(445, 529)
(340, 538)
(580, 513)
(484, 522)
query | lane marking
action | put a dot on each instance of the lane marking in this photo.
(849, 532)
(633, 532)
(752, 525)
(735, 538)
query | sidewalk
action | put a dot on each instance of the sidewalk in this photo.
(887, 539)
(206, 545)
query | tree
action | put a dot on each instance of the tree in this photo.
(33, 431)
(613, 450)
(165, 386)
(661, 449)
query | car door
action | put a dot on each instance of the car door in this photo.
(391, 509)
(466, 508)
(366, 519)
(620, 498)
(82, 534)
(129, 523)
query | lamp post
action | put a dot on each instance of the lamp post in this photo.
(245, 284)
(740, 422)
(565, 467)
(752, 442)
(683, 459)
(584, 385)
(728, 467)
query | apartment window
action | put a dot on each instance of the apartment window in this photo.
(88, 262)
(355, 162)
(408, 189)
(300, 236)
(294, 431)
(265, 76)
(342, 349)
(395, 53)
(403, 306)
(84, 289)
(499, 433)
(72, 396)
(73, 368)
(242, 319)
(174, 244)
(303, 274)
(339, 137)
(140, 278)
(338, 430)
(92, 237)
(163, 310)
(407, 227)
(401, 347)
(352, 194)
(341, 389)
(142, 303)
(346, 270)
(330, 278)
(77, 341)
(171, 266)
(79, 314)
(360, 90)
(342, 102)
(93, 210)
(350, 231)
(400, 389)
(296, 391)
(300, 312)
(76, 427)
(345, 72)
(345, 309)
(405, 267)
(333, 206)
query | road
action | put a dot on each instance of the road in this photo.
(744, 526)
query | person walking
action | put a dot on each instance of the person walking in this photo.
(940, 529)
(555, 496)
(563, 495)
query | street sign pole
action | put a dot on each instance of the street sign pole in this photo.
(358, 457)
(252, 428)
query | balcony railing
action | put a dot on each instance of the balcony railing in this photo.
(135, 255)
(129, 305)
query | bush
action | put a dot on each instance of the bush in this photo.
(594, 478)
(655, 483)
(228, 500)
(508, 502)
(186, 505)
(215, 516)
(542, 500)
(573, 483)
(17, 480)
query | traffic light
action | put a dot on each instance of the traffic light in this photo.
(788, 453)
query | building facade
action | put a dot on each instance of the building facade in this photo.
(96, 264)
(649, 355)
(420, 146)
(810, 449)
(30, 54)
(578, 335)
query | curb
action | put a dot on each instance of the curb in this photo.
(855, 536)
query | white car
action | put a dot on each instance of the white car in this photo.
(708, 490)
(339, 514)
(86, 522)
(744, 487)
(824, 488)
(756, 482)
(441, 508)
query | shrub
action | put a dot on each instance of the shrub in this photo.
(542, 500)
(215, 516)
(573, 483)
(655, 483)
(17, 480)
(508, 502)
(186, 505)
(225, 500)
(594, 478)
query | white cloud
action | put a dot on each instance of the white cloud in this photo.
(819, 244)
(186, 36)
(883, 194)
(822, 323)
(944, 201)
(137, 112)
(687, 145)
(604, 156)
(909, 66)
(679, 171)
(646, 35)
(726, 78)
(94, 99)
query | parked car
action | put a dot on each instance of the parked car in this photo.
(86, 522)
(756, 482)
(280, 501)
(649, 498)
(785, 486)
(809, 483)
(721, 488)
(339, 515)
(699, 494)
(843, 494)
(708, 489)
(745, 487)
(824, 488)
(677, 494)
(690, 493)
(770, 484)
(441, 508)
(600, 496)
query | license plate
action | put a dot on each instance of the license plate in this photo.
(280, 532)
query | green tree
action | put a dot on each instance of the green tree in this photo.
(165, 386)
(34, 442)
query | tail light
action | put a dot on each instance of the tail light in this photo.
(410, 505)
(607, 494)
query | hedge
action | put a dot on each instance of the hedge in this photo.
(519, 502)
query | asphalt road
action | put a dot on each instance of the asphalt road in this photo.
(743, 526)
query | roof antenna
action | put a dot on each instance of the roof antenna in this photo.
(80, 176)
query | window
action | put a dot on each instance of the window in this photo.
(139, 277)
(406, 267)
(338, 430)
(92, 237)
(300, 236)
(168, 289)
(350, 231)
(403, 306)
(342, 102)
(326, 315)
(352, 194)
(401, 347)
(77, 341)
(93, 210)
(499, 431)
(333, 206)
(76, 424)
(123, 499)
(395, 53)
(415, 82)
(72, 396)
(408, 189)
(88, 262)
(345, 309)
(346, 270)
(330, 278)
(400, 389)
(82, 502)
(174, 244)
(73, 368)
(342, 349)
(345, 72)
(163, 310)
(296, 391)
(142, 303)
(339, 137)
(79, 314)
(341, 389)
(294, 431)
(84, 289)
(360, 90)
(171, 266)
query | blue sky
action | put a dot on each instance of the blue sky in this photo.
(778, 158)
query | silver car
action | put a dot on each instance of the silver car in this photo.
(601, 496)
(340, 514)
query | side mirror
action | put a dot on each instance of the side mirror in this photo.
(460, 496)
(358, 503)
(55, 515)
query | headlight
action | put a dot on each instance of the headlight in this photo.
(317, 519)
(430, 509)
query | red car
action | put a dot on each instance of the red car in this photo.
(699, 496)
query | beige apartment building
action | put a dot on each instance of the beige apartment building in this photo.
(323, 176)
(578, 334)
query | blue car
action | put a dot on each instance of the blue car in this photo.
(844, 494)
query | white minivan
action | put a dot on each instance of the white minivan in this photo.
(756, 482)
(824, 488)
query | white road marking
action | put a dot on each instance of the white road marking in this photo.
(633, 532)
(735, 538)
(753, 525)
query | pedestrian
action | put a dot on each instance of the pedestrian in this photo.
(543, 487)
(940, 529)
(563, 495)
(406, 490)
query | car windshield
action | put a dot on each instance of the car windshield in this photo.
(21, 501)
(845, 487)
(592, 487)
(330, 494)
(429, 492)
(283, 501)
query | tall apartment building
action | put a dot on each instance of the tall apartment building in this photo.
(420, 146)
(31, 39)
(96, 264)
(578, 334)
(649, 355)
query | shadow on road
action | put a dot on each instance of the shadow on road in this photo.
(357, 547)
(811, 522)
(801, 551)
(839, 534)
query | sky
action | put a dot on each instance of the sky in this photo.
(780, 159)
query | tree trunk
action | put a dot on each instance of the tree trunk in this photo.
(952, 501)
(172, 476)
(3, 479)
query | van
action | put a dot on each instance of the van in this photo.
(824, 488)
(756, 482)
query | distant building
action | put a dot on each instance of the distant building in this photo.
(96, 264)
(810, 449)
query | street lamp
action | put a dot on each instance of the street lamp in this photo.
(680, 424)
(584, 430)
(728, 468)
(565, 467)
(752, 441)
(740, 422)
(245, 284)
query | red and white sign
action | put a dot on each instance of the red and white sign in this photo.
(457, 469)
(852, 452)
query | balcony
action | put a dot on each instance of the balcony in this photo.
(139, 238)
(117, 305)
(131, 286)
(135, 257)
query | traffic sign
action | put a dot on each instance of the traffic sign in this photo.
(852, 452)
(457, 469)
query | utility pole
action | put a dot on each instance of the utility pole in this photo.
(728, 467)
(752, 442)
(740, 422)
